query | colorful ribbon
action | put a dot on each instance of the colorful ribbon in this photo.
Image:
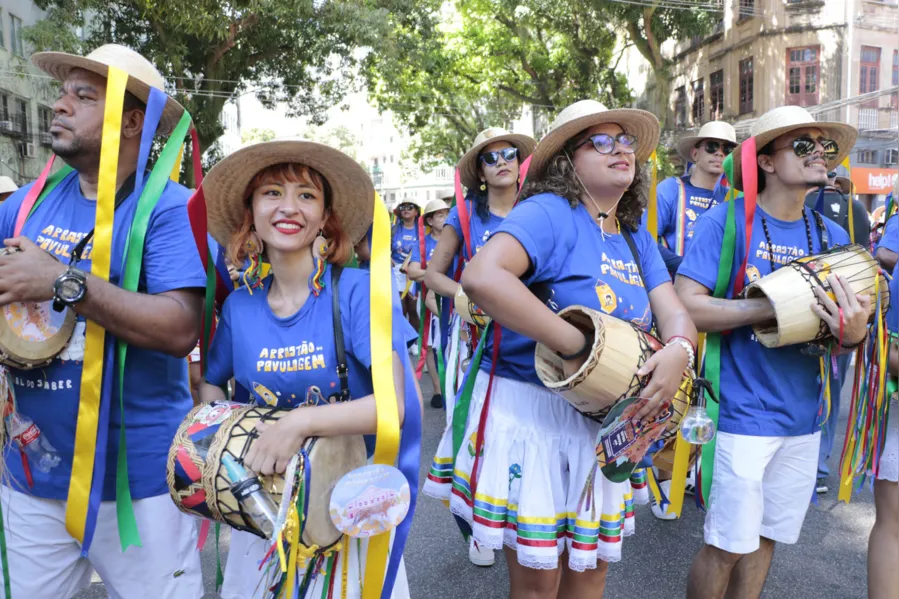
(652, 209)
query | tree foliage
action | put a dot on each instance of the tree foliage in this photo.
(299, 52)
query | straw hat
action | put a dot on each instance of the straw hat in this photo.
(7, 185)
(225, 187)
(587, 113)
(843, 184)
(142, 74)
(712, 130)
(784, 119)
(468, 165)
(447, 193)
(434, 206)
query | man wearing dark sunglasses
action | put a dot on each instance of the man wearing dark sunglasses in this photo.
(765, 459)
(681, 200)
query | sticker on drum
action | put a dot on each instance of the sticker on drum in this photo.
(216, 412)
(370, 500)
(622, 442)
(33, 321)
(33, 333)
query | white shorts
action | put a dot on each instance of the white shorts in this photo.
(45, 561)
(761, 486)
(889, 459)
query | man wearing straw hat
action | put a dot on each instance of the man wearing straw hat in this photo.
(764, 467)
(51, 552)
(681, 200)
(7, 187)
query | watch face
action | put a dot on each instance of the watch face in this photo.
(70, 289)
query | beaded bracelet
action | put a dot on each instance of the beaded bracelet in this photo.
(684, 343)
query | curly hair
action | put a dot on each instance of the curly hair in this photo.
(559, 179)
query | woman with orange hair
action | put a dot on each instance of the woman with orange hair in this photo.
(303, 206)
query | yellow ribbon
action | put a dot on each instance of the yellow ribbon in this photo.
(95, 335)
(293, 530)
(176, 170)
(679, 476)
(845, 164)
(345, 570)
(388, 427)
(652, 210)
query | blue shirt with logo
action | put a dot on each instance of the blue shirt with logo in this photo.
(157, 395)
(764, 392)
(480, 230)
(292, 362)
(697, 202)
(572, 263)
(403, 242)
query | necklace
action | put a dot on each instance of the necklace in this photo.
(808, 236)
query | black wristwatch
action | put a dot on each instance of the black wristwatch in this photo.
(69, 288)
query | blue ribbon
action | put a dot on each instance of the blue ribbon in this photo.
(410, 454)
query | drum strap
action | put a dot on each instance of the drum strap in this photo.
(342, 369)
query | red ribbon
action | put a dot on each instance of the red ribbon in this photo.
(749, 172)
(32, 196)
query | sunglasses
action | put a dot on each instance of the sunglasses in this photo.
(712, 147)
(804, 146)
(604, 143)
(406, 207)
(491, 158)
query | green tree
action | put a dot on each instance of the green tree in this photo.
(300, 52)
(256, 135)
(648, 28)
(493, 57)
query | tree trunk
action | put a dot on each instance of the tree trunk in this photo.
(661, 94)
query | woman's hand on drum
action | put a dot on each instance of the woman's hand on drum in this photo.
(666, 372)
(847, 318)
(276, 445)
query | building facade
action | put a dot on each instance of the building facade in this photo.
(26, 97)
(838, 58)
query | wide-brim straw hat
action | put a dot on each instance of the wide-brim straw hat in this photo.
(435, 206)
(784, 119)
(468, 164)
(7, 185)
(142, 75)
(225, 187)
(587, 113)
(712, 130)
(447, 193)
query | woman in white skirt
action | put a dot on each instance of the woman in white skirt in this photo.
(574, 240)
(277, 339)
(883, 545)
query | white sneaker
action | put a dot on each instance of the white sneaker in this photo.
(657, 511)
(480, 556)
(414, 350)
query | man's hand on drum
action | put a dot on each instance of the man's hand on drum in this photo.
(27, 275)
(277, 444)
(847, 318)
(666, 372)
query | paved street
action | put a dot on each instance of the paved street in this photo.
(827, 563)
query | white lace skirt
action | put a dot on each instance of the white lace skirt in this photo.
(889, 460)
(244, 580)
(532, 493)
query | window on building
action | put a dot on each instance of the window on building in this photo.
(746, 85)
(44, 118)
(892, 157)
(716, 95)
(680, 107)
(4, 106)
(21, 115)
(2, 40)
(802, 76)
(15, 36)
(698, 102)
(747, 9)
(867, 156)
(869, 69)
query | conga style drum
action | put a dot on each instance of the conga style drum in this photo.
(791, 292)
(199, 484)
(466, 309)
(32, 334)
(610, 373)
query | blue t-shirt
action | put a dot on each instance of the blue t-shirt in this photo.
(157, 395)
(890, 237)
(574, 265)
(403, 242)
(697, 202)
(764, 392)
(480, 230)
(292, 362)
(893, 313)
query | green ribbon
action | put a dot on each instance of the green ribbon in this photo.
(219, 574)
(713, 340)
(7, 585)
(51, 183)
(134, 256)
(461, 409)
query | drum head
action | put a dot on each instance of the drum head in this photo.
(330, 459)
(33, 333)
